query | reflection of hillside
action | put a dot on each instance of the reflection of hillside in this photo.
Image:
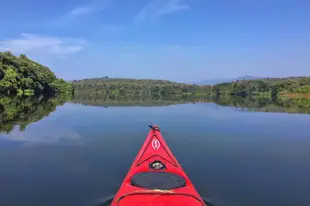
(244, 104)
(301, 106)
(105, 101)
(23, 111)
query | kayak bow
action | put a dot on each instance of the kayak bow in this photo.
(156, 178)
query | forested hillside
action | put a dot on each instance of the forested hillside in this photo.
(293, 86)
(20, 75)
(267, 87)
(118, 86)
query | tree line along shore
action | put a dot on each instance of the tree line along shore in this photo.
(20, 75)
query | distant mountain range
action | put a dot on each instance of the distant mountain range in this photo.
(218, 81)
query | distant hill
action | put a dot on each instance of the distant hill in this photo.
(293, 87)
(121, 86)
(218, 81)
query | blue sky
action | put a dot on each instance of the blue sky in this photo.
(180, 40)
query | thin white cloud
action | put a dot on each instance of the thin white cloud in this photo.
(38, 44)
(79, 11)
(79, 14)
(82, 10)
(158, 8)
(173, 6)
(92, 7)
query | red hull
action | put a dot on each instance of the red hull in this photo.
(155, 150)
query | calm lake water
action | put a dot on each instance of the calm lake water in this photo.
(70, 154)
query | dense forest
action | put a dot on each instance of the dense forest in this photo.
(269, 87)
(135, 87)
(21, 76)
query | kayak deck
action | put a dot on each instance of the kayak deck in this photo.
(156, 178)
(160, 200)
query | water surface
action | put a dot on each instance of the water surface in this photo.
(72, 154)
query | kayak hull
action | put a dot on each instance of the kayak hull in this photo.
(156, 178)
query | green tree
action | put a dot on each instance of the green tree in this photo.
(22, 74)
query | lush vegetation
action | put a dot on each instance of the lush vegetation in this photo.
(134, 87)
(19, 111)
(20, 75)
(268, 87)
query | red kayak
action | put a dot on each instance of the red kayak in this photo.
(156, 178)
